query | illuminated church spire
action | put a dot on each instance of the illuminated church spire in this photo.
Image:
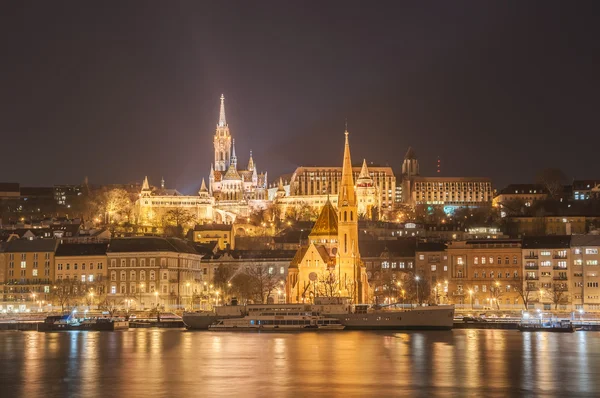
(222, 141)
(251, 163)
(233, 157)
(222, 121)
(145, 184)
(346, 192)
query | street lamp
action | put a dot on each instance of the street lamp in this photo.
(417, 279)
(497, 295)
(471, 294)
(91, 299)
(141, 290)
(156, 295)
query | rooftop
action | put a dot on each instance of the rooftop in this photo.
(81, 249)
(150, 244)
(34, 245)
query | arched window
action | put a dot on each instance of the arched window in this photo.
(351, 218)
(345, 216)
(345, 243)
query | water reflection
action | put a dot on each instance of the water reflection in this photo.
(176, 363)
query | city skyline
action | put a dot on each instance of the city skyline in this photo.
(116, 103)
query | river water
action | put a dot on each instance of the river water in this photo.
(161, 363)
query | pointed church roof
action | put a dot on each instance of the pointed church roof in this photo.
(280, 185)
(327, 223)
(410, 154)
(222, 121)
(203, 187)
(364, 178)
(251, 162)
(346, 191)
(145, 184)
(232, 173)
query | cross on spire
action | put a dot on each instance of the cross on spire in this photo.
(222, 121)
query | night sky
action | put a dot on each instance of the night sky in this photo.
(116, 90)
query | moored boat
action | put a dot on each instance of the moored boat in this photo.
(57, 323)
(366, 317)
(279, 321)
(535, 325)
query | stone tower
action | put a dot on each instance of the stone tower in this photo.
(222, 141)
(410, 169)
(351, 273)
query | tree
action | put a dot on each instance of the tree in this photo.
(416, 290)
(403, 212)
(386, 285)
(432, 214)
(558, 295)
(222, 277)
(66, 293)
(115, 204)
(110, 305)
(525, 291)
(476, 216)
(242, 284)
(553, 180)
(264, 281)
(496, 292)
(328, 284)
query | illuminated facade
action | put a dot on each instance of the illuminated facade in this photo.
(519, 194)
(154, 203)
(483, 273)
(227, 182)
(331, 262)
(309, 181)
(231, 192)
(153, 271)
(450, 191)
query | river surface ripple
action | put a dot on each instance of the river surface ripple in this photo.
(162, 363)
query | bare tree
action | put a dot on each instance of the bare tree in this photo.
(114, 204)
(328, 284)
(110, 305)
(265, 281)
(558, 295)
(524, 289)
(497, 291)
(243, 285)
(553, 180)
(66, 293)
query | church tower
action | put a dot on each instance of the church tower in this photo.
(410, 169)
(222, 141)
(349, 267)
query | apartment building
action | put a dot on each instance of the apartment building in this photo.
(585, 271)
(547, 270)
(29, 270)
(153, 271)
(431, 259)
(483, 273)
(84, 263)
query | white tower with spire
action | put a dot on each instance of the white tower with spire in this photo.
(367, 194)
(233, 156)
(222, 141)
